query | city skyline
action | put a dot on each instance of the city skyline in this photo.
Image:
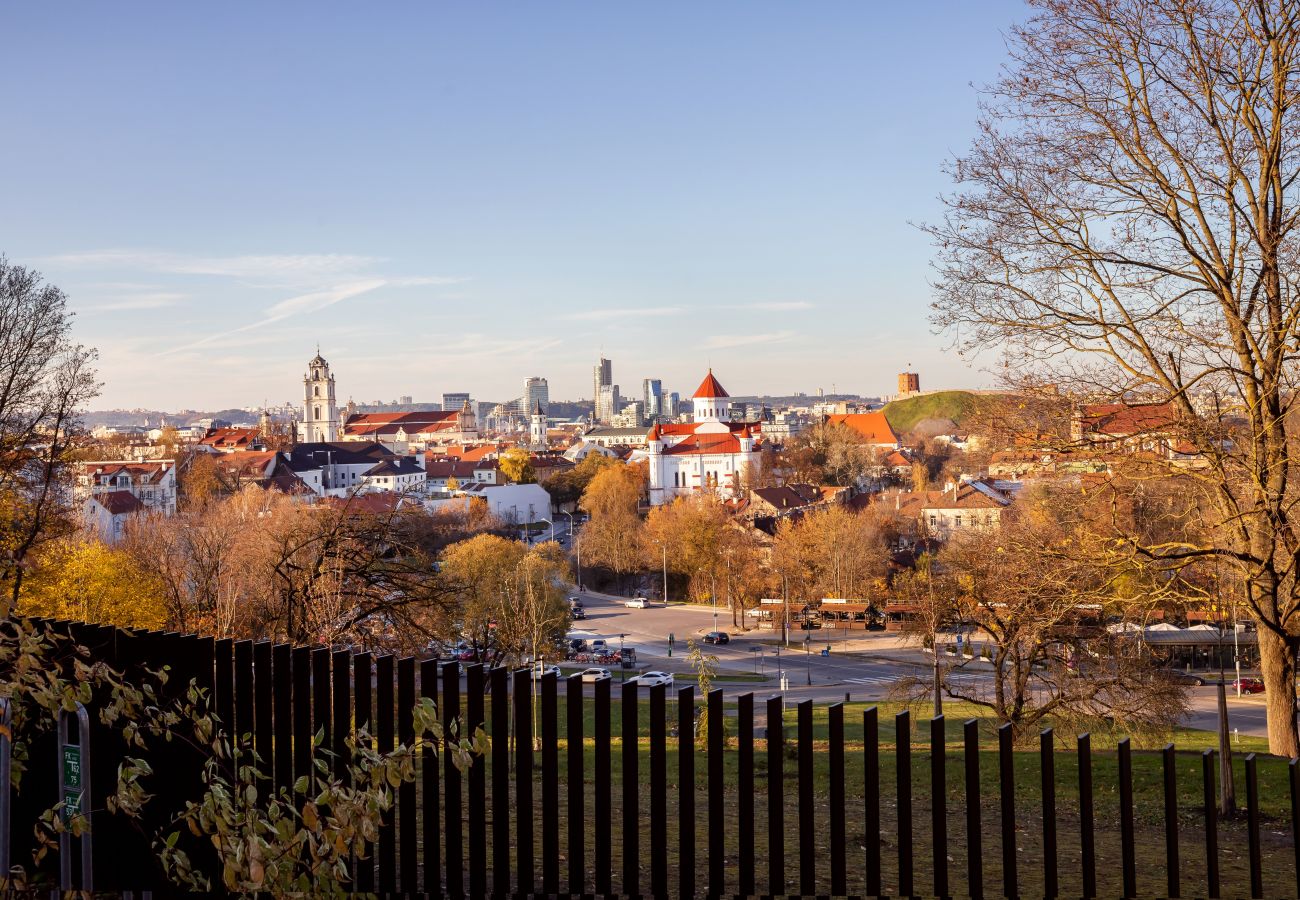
(467, 195)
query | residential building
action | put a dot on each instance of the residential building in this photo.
(514, 504)
(622, 436)
(631, 416)
(231, 440)
(969, 505)
(151, 483)
(873, 427)
(339, 468)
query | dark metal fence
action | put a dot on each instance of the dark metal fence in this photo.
(524, 818)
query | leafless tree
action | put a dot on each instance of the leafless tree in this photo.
(1124, 226)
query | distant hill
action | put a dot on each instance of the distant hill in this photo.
(959, 406)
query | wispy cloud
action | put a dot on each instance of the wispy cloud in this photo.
(293, 266)
(787, 306)
(123, 302)
(605, 315)
(727, 341)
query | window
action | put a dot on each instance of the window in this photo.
(933, 519)
(958, 521)
(316, 391)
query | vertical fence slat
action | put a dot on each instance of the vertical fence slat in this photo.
(871, 797)
(1252, 827)
(776, 795)
(500, 781)
(939, 803)
(522, 699)
(1211, 825)
(807, 823)
(320, 700)
(686, 791)
(746, 823)
(430, 803)
(631, 754)
(408, 834)
(974, 835)
(264, 710)
(1169, 759)
(282, 699)
(1047, 779)
(576, 808)
(1127, 848)
(453, 812)
(717, 790)
(1293, 781)
(244, 721)
(604, 789)
(362, 703)
(903, 779)
(658, 792)
(223, 691)
(835, 734)
(1087, 843)
(302, 706)
(341, 714)
(550, 788)
(1007, 786)
(477, 783)
(385, 707)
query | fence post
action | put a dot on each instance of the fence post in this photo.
(717, 790)
(550, 786)
(363, 705)
(431, 813)
(1252, 827)
(839, 882)
(604, 788)
(903, 755)
(75, 796)
(385, 735)
(974, 837)
(1126, 834)
(576, 808)
(1170, 760)
(408, 835)
(1047, 776)
(1007, 777)
(807, 825)
(871, 796)
(939, 804)
(775, 795)
(475, 686)
(500, 781)
(1211, 825)
(1293, 781)
(1088, 853)
(745, 795)
(686, 790)
(658, 791)
(629, 739)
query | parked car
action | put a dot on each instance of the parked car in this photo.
(577, 645)
(651, 679)
(717, 637)
(599, 647)
(593, 675)
(636, 603)
(575, 601)
(577, 613)
(1172, 674)
(541, 668)
(1249, 685)
(809, 624)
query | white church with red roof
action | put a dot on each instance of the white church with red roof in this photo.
(711, 453)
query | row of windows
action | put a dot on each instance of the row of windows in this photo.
(973, 520)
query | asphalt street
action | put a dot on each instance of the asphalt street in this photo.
(861, 675)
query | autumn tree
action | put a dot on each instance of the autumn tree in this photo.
(1124, 227)
(612, 538)
(567, 487)
(517, 466)
(45, 380)
(830, 553)
(508, 597)
(87, 580)
(830, 453)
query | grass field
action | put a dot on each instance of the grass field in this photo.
(956, 405)
(1147, 791)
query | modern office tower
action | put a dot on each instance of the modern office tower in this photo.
(652, 398)
(607, 403)
(673, 401)
(536, 391)
(454, 401)
(602, 375)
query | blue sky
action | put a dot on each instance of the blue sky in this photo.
(457, 196)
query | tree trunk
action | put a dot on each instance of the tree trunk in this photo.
(1277, 662)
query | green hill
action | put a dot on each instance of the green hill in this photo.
(956, 405)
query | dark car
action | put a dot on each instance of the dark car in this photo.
(578, 613)
(809, 624)
(717, 637)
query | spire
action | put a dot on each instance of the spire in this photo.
(710, 387)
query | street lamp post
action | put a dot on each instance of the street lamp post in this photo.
(807, 655)
(622, 672)
(664, 547)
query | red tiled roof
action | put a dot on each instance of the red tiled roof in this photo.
(689, 427)
(367, 424)
(230, 437)
(1122, 419)
(710, 387)
(873, 426)
(705, 443)
(119, 502)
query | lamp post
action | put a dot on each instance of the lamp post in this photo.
(807, 655)
(713, 597)
(622, 672)
(664, 547)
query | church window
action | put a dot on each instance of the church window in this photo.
(317, 390)
(317, 412)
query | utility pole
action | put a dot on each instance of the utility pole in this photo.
(665, 549)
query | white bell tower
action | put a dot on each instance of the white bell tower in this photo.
(320, 415)
(537, 427)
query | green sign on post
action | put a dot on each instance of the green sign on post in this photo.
(72, 791)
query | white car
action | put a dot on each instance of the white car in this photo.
(635, 603)
(653, 679)
(593, 675)
(599, 647)
(541, 669)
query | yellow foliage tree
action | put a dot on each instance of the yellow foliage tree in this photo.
(517, 466)
(92, 582)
